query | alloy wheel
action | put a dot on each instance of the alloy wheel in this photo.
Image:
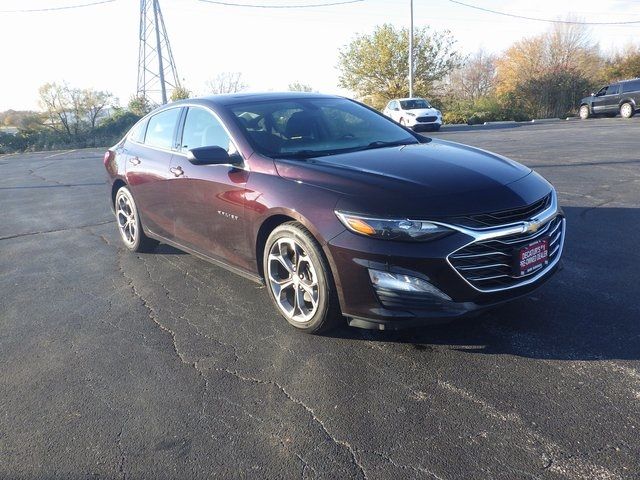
(626, 110)
(127, 220)
(293, 280)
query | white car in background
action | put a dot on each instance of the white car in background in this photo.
(415, 113)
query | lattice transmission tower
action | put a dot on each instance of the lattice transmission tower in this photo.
(156, 67)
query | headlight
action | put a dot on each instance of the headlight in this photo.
(438, 112)
(392, 229)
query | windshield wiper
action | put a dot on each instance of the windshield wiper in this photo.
(302, 154)
(381, 144)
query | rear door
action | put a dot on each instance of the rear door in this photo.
(631, 91)
(148, 163)
(208, 200)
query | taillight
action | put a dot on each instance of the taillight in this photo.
(108, 156)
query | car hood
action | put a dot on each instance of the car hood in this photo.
(446, 173)
(420, 112)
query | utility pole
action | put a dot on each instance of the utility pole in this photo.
(156, 67)
(411, 50)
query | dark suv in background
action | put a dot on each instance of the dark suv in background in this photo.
(620, 97)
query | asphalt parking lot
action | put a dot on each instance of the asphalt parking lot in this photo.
(116, 365)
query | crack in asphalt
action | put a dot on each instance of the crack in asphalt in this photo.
(312, 413)
(43, 232)
(399, 466)
(121, 465)
(153, 317)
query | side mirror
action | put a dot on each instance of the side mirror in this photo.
(211, 156)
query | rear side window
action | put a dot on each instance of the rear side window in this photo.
(161, 129)
(631, 86)
(138, 131)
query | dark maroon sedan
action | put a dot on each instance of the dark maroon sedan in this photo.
(338, 210)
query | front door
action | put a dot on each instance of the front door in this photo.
(208, 200)
(612, 98)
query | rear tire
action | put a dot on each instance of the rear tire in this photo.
(584, 112)
(129, 224)
(299, 280)
(626, 110)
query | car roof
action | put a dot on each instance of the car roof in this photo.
(237, 98)
(410, 98)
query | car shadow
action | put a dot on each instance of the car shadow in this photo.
(590, 310)
(165, 249)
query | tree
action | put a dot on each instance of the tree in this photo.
(547, 74)
(623, 65)
(475, 79)
(92, 103)
(226, 82)
(55, 101)
(180, 93)
(376, 66)
(72, 110)
(299, 87)
(139, 105)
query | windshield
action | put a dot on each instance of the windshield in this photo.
(308, 127)
(414, 104)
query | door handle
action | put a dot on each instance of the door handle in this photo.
(177, 171)
(134, 161)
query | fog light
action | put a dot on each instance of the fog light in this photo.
(404, 283)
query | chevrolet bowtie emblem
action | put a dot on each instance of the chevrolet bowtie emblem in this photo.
(531, 227)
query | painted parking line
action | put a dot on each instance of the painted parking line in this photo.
(60, 153)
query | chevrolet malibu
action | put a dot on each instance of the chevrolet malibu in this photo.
(336, 209)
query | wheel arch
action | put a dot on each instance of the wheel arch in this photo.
(630, 100)
(117, 185)
(277, 217)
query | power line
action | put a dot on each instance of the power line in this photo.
(541, 19)
(251, 5)
(68, 7)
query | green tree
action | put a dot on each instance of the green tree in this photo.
(299, 87)
(139, 105)
(376, 66)
(180, 93)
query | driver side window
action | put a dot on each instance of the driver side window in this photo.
(202, 129)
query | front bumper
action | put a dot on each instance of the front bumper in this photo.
(418, 125)
(380, 308)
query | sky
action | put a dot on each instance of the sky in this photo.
(97, 46)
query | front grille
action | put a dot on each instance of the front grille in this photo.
(503, 217)
(489, 264)
(426, 119)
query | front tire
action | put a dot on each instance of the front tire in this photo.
(299, 280)
(626, 110)
(129, 224)
(584, 112)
